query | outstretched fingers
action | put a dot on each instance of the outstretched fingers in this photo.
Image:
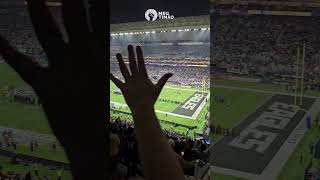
(99, 16)
(76, 24)
(123, 68)
(141, 64)
(116, 81)
(29, 70)
(163, 80)
(47, 30)
(132, 60)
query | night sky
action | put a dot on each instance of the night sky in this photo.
(123, 11)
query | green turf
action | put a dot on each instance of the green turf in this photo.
(42, 151)
(22, 116)
(242, 104)
(259, 86)
(166, 93)
(294, 168)
(17, 115)
(8, 167)
(9, 77)
(170, 93)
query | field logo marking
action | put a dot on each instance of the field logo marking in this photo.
(192, 102)
(192, 106)
(278, 117)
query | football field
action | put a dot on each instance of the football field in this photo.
(272, 134)
(177, 107)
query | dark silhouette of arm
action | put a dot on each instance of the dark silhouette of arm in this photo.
(73, 88)
(158, 159)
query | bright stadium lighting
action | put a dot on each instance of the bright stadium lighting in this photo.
(126, 33)
(153, 32)
(131, 33)
(173, 30)
(147, 32)
(121, 34)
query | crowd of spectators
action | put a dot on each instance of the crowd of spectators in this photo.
(192, 154)
(267, 6)
(168, 51)
(182, 75)
(265, 46)
(16, 26)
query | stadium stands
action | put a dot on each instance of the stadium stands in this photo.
(265, 46)
(127, 154)
(183, 75)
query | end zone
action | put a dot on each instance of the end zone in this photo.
(263, 133)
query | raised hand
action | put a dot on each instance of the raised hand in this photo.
(138, 90)
(73, 88)
(141, 94)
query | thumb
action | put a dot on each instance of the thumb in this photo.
(163, 80)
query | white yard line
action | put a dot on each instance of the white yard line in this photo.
(174, 114)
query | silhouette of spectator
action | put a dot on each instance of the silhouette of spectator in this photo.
(76, 75)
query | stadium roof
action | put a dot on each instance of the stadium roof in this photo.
(191, 22)
(310, 3)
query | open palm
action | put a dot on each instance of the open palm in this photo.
(138, 90)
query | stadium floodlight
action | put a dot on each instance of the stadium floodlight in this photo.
(130, 33)
(203, 29)
(153, 32)
(187, 30)
(173, 30)
(126, 33)
(120, 34)
(147, 32)
(180, 30)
